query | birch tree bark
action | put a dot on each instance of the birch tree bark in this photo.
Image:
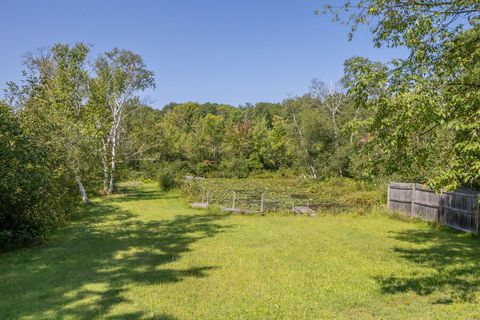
(111, 185)
(81, 188)
(313, 171)
(332, 100)
(105, 164)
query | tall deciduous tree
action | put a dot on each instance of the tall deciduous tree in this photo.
(332, 100)
(425, 110)
(120, 75)
(51, 102)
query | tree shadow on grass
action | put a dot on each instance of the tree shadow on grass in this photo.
(87, 271)
(449, 265)
(130, 194)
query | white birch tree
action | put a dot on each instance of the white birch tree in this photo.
(120, 75)
(52, 99)
(332, 100)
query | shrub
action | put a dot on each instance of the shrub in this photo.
(167, 179)
(32, 199)
(235, 168)
(193, 190)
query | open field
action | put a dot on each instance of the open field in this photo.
(144, 255)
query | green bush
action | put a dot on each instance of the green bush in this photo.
(33, 199)
(234, 168)
(167, 179)
(193, 190)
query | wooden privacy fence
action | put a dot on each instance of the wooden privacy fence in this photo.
(459, 210)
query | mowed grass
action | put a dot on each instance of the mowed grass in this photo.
(144, 255)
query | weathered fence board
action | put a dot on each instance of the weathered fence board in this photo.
(426, 203)
(459, 209)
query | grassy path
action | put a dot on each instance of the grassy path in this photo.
(144, 255)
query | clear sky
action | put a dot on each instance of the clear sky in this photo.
(200, 50)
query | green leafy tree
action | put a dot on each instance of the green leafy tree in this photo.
(51, 103)
(142, 141)
(424, 108)
(32, 196)
(119, 76)
(271, 149)
(205, 144)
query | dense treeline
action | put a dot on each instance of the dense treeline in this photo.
(74, 125)
(297, 137)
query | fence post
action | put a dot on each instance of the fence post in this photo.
(261, 204)
(233, 199)
(388, 196)
(413, 199)
(440, 207)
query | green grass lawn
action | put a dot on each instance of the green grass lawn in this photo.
(144, 255)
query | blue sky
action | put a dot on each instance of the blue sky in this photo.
(211, 50)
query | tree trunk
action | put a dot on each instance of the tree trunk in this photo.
(113, 160)
(105, 166)
(352, 131)
(83, 193)
(313, 173)
(335, 136)
(335, 128)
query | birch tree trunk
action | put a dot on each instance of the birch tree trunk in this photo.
(335, 128)
(83, 193)
(313, 172)
(120, 74)
(105, 166)
(111, 186)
